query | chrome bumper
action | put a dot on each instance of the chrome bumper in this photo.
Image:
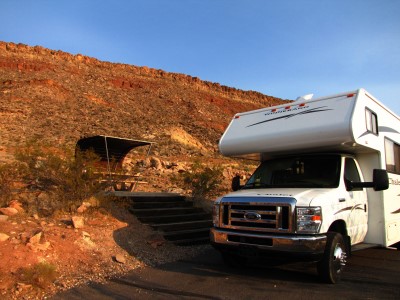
(291, 244)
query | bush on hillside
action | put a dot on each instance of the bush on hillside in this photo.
(66, 178)
(8, 173)
(204, 182)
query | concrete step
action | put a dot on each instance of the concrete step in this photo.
(161, 204)
(149, 199)
(169, 227)
(175, 218)
(145, 212)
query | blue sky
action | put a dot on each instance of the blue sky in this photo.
(283, 48)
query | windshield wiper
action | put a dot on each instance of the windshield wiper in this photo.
(256, 185)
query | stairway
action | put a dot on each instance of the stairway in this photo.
(174, 217)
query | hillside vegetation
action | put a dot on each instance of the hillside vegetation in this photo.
(59, 97)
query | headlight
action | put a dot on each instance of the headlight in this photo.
(216, 213)
(309, 219)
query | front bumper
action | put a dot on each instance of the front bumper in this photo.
(295, 245)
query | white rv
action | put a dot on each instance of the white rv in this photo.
(328, 182)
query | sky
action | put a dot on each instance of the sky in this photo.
(282, 48)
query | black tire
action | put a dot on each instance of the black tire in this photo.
(330, 268)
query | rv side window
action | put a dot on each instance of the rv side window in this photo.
(371, 121)
(392, 151)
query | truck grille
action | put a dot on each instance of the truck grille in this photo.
(266, 217)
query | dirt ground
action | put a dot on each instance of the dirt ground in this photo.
(111, 243)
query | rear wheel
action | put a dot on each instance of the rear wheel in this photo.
(330, 268)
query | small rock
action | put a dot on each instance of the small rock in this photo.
(23, 286)
(155, 163)
(15, 241)
(87, 204)
(92, 202)
(42, 247)
(36, 216)
(120, 258)
(25, 237)
(3, 218)
(35, 239)
(78, 222)
(4, 237)
(155, 240)
(8, 211)
(82, 209)
(17, 205)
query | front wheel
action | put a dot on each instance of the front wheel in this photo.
(330, 268)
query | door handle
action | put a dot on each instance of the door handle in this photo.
(342, 200)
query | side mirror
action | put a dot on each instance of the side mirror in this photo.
(379, 182)
(236, 183)
(380, 179)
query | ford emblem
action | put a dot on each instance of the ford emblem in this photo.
(252, 216)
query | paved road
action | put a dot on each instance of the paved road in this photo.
(370, 274)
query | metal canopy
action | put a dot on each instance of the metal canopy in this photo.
(109, 147)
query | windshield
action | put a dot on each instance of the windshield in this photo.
(320, 171)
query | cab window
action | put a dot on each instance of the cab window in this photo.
(351, 173)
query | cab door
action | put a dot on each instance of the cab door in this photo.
(356, 203)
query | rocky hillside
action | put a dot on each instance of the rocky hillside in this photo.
(59, 97)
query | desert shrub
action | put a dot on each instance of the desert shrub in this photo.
(10, 174)
(40, 275)
(203, 181)
(67, 178)
(5, 184)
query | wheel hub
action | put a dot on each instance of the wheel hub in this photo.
(339, 258)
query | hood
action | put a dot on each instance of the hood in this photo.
(304, 197)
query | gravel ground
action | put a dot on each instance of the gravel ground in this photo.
(111, 244)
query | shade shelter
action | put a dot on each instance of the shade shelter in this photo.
(112, 152)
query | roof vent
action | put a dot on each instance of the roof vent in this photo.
(305, 97)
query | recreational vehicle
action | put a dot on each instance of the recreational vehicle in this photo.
(328, 182)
